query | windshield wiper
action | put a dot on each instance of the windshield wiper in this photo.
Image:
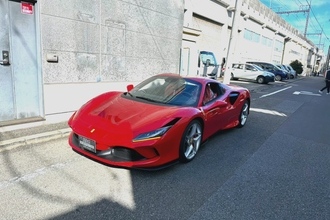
(144, 98)
(130, 94)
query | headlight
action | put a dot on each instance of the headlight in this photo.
(152, 134)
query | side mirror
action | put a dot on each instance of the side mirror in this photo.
(129, 87)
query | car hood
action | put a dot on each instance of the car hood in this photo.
(120, 114)
(115, 120)
(268, 73)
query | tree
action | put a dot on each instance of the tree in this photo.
(297, 66)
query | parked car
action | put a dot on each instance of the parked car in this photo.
(251, 72)
(162, 120)
(279, 74)
(283, 68)
(293, 73)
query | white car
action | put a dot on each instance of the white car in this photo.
(251, 72)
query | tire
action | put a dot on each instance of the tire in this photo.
(190, 142)
(261, 80)
(278, 78)
(243, 114)
(232, 76)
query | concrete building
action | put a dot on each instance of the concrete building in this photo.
(259, 34)
(58, 54)
(61, 53)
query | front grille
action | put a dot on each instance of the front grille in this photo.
(120, 154)
(117, 153)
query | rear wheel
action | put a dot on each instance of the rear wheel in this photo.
(244, 114)
(261, 79)
(232, 76)
(191, 141)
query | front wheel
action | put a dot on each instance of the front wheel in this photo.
(190, 142)
(244, 114)
(278, 78)
(260, 80)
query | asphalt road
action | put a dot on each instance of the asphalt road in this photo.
(276, 167)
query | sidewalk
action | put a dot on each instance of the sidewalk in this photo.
(32, 133)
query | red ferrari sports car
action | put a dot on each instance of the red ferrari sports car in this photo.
(162, 120)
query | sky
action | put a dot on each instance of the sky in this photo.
(318, 28)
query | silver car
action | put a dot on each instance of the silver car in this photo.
(293, 73)
(251, 72)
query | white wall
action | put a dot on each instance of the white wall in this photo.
(102, 45)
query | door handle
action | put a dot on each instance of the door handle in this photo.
(5, 58)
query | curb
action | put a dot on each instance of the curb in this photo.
(34, 139)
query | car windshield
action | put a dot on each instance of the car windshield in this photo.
(258, 67)
(208, 56)
(165, 89)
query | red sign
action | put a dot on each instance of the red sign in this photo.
(26, 8)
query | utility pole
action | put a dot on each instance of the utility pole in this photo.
(320, 34)
(317, 50)
(232, 41)
(307, 19)
(299, 11)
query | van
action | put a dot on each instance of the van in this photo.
(279, 74)
(251, 72)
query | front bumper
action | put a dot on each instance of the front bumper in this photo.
(123, 157)
(269, 79)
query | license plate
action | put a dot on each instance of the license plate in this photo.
(87, 144)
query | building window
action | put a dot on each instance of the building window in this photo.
(251, 36)
(266, 41)
(278, 46)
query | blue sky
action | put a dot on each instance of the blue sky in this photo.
(319, 18)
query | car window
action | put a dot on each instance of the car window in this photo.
(209, 94)
(269, 67)
(257, 67)
(168, 90)
(208, 56)
(235, 66)
(249, 67)
(212, 92)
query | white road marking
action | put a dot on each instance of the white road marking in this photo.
(267, 111)
(29, 176)
(305, 93)
(281, 90)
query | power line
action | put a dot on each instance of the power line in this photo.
(303, 8)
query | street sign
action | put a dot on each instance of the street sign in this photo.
(26, 8)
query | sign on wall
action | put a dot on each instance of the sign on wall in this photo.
(26, 8)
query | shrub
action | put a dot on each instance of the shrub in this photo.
(297, 66)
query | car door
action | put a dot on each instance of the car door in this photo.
(249, 72)
(237, 70)
(215, 110)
